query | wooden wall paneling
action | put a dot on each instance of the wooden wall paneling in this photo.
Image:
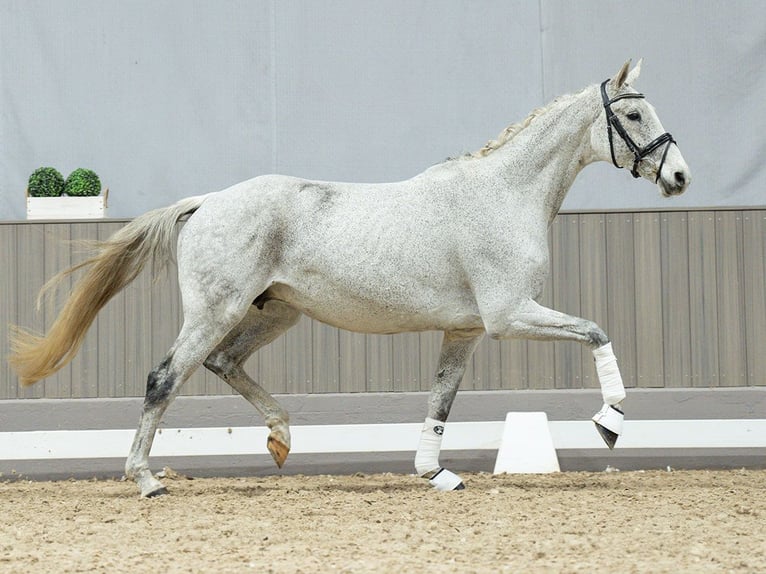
(732, 357)
(487, 365)
(621, 293)
(30, 277)
(430, 347)
(268, 365)
(406, 361)
(57, 257)
(9, 264)
(703, 300)
(353, 361)
(139, 348)
(111, 381)
(379, 360)
(85, 363)
(676, 342)
(513, 365)
(648, 290)
(325, 353)
(298, 357)
(687, 286)
(754, 280)
(593, 286)
(565, 271)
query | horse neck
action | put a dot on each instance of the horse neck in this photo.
(540, 163)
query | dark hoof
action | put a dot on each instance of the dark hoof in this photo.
(460, 486)
(610, 438)
(155, 493)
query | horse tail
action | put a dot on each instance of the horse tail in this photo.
(116, 263)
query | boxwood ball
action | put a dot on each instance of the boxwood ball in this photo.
(46, 182)
(82, 182)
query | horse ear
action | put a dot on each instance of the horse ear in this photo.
(634, 73)
(621, 76)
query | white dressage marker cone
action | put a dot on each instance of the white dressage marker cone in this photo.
(526, 445)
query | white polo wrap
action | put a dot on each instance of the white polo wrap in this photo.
(427, 456)
(609, 376)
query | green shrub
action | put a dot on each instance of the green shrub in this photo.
(46, 182)
(82, 182)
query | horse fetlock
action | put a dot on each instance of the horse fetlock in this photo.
(596, 337)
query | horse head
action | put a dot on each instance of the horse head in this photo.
(628, 132)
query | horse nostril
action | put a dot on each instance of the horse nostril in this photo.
(680, 178)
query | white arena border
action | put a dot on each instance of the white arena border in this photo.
(372, 438)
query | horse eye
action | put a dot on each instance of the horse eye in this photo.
(634, 116)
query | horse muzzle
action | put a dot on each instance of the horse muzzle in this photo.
(674, 181)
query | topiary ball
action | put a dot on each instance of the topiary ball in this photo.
(46, 182)
(82, 182)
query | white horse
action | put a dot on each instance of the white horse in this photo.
(461, 248)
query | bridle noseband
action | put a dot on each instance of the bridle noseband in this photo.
(639, 153)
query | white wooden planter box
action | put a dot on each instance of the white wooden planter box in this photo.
(67, 207)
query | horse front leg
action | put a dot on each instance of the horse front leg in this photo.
(531, 320)
(457, 349)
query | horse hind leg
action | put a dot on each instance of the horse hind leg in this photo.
(259, 327)
(199, 335)
(457, 349)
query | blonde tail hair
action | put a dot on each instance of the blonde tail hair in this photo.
(117, 262)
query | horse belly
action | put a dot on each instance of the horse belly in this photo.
(355, 312)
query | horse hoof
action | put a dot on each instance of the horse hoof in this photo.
(609, 424)
(610, 438)
(278, 450)
(445, 480)
(161, 491)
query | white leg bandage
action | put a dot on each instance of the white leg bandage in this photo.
(427, 458)
(609, 376)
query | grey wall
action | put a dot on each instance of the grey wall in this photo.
(174, 98)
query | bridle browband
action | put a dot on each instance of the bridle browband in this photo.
(639, 153)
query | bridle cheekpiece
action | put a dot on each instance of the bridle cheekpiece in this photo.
(639, 153)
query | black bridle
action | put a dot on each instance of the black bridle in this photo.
(639, 153)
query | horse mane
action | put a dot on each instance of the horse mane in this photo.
(514, 129)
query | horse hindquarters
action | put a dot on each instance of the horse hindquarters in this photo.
(217, 289)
